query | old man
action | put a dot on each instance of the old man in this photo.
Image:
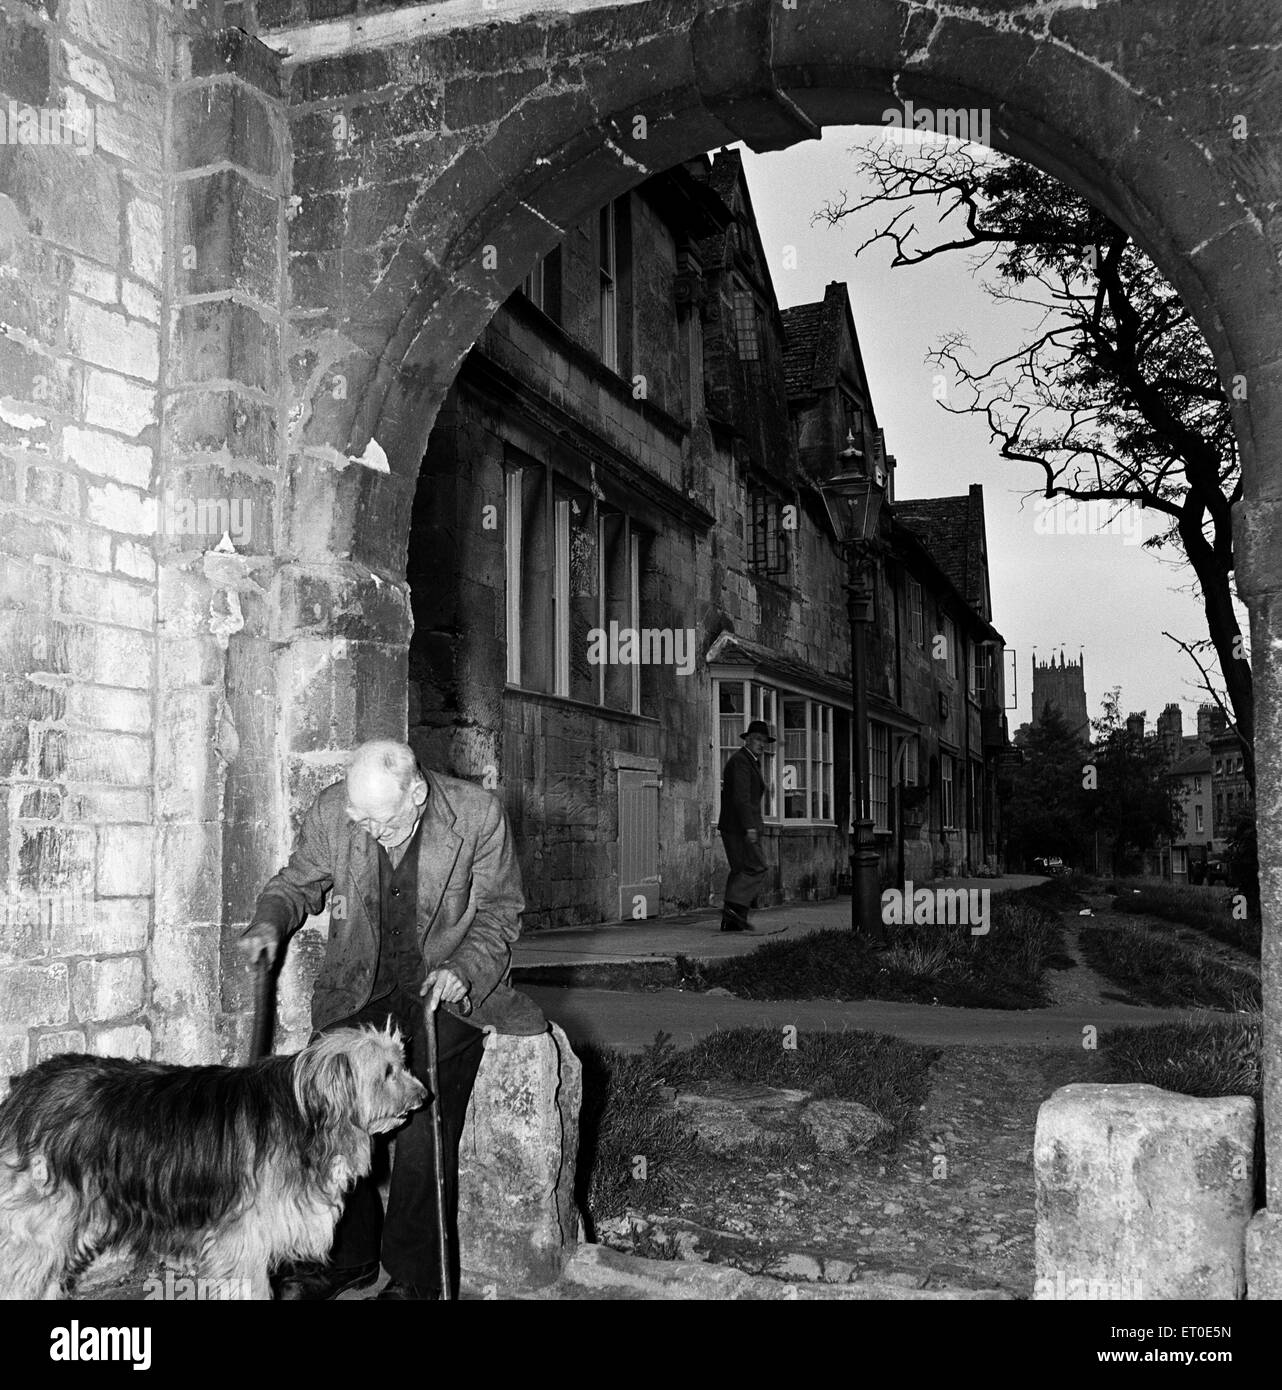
(425, 902)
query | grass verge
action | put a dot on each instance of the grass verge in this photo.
(627, 1112)
(1220, 1057)
(1156, 970)
(1207, 910)
(941, 964)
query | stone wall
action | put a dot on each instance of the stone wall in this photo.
(81, 269)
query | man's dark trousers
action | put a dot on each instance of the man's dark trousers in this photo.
(406, 1238)
(748, 870)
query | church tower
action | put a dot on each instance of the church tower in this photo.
(1064, 686)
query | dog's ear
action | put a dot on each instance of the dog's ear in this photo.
(326, 1082)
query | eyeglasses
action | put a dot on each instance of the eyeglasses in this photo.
(375, 826)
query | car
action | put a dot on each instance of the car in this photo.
(1051, 864)
(1222, 871)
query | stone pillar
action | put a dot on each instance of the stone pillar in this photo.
(518, 1223)
(1142, 1193)
(220, 831)
(1258, 539)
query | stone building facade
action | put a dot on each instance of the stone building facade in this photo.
(615, 458)
(937, 723)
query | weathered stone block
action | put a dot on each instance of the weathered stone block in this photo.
(34, 996)
(189, 858)
(184, 967)
(97, 452)
(230, 421)
(108, 600)
(224, 122)
(124, 861)
(226, 234)
(518, 1223)
(120, 509)
(105, 926)
(106, 707)
(14, 1051)
(1142, 1193)
(104, 990)
(131, 1040)
(116, 403)
(219, 340)
(144, 223)
(111, 340)
(54, 1044)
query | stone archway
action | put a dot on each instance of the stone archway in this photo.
(433, 159)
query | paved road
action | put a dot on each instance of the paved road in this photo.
(628, 1020)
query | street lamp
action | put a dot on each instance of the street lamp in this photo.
(859, 492)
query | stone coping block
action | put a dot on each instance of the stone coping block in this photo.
(518, 1223)
(1142, 1193)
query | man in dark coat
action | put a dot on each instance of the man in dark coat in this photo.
(425, 902)
(740, 824)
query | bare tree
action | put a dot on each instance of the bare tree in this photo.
(1114, 396)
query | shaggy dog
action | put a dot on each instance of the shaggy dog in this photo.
(229, 1170)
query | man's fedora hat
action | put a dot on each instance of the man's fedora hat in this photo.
(759, 726)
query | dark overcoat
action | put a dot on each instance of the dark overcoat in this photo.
(742, 787)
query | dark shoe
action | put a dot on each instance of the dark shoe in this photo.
(734, 919)
(408, 1293)
(315, 1283)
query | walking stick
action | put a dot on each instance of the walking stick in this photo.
(261, 1037)
(438, 1158)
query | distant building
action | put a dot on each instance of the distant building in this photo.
(1062, 685)
(1190, 779)
(1208, 782)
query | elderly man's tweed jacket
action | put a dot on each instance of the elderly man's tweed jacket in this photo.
(469, 902)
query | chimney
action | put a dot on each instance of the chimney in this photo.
(1135, 724)
(1210, 721)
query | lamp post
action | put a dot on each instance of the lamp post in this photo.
(859, 493)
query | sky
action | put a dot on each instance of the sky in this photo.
(1101, 593)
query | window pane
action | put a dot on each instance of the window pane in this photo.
(796, 799)
(730, 716)
(581, 579)
(764, 707)
(536, 583)
(617, 588)
(747, 329)
(879, 775)
(512, 558)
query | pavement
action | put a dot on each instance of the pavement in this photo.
(698, 935)
(574, 963)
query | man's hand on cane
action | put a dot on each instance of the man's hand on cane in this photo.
(262, 939)
(443, 986)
